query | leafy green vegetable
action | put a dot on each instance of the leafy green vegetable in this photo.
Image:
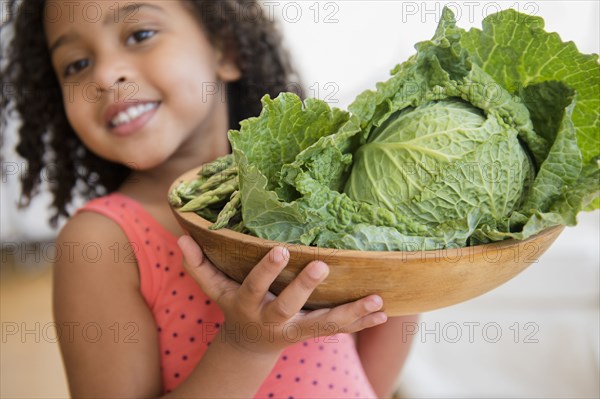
(517, 53)
(536, 66)
(480, 136)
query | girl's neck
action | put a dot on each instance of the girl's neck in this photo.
(150, 187)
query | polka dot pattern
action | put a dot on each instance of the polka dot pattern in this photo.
(187, 320)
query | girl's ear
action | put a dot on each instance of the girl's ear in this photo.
(227, 68)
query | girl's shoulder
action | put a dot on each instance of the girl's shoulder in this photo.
(95, 239)
(119, 237)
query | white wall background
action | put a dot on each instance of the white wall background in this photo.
(548, 317)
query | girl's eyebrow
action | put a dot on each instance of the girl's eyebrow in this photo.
(129, 10)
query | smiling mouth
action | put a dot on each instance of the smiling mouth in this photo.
(132, 113)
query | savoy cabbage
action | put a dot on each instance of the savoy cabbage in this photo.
(480, 136)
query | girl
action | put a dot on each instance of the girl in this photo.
(120, 98)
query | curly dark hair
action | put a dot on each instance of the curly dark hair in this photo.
(30, 86)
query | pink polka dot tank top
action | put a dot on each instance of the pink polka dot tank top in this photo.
(187, 320)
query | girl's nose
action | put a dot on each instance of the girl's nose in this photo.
(111, 72)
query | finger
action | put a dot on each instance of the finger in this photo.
(256, 284)
(346, 315)
(211, 280)
(294, 296)
(370, 320)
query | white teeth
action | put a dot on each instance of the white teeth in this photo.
(131, 113)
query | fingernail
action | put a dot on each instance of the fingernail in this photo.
(181, 241)
(374, 303)
(380, 318)
(317, 270)
(281, 254)
(190, 256)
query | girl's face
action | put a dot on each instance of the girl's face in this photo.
(140, 80)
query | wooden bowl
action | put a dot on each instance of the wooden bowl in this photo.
(408, 282)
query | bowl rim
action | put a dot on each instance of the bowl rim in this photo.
(452, 253)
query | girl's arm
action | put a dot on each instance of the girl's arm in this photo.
(383, 350)
(108, 337)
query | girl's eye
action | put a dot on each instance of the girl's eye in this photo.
(135, 37)
(75, 67)
(140, 36)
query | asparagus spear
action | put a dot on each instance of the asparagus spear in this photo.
(219, 178)
(174, 197)
(216, 182)
(230, 210)
(212, 196)
(216, 166)
(187, 191)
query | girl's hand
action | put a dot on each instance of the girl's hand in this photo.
(271, 316)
